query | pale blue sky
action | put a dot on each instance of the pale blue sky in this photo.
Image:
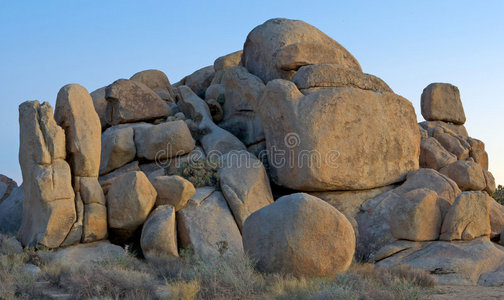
(409, 44)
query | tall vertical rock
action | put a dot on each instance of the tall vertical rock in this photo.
(49, 208)
(75, 113)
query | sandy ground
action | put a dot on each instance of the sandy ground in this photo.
(467, 292)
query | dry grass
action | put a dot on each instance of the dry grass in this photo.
(229, 276)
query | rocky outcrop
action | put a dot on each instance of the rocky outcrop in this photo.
(49, 210)
(75, 113)
(200, 80)
(118, 148)
(468, 175)
(345, 119)
(244, 184)
(441, 102)
(305, 237)
(7, 185)
(159, 235)
(11, 212)
(279, 47)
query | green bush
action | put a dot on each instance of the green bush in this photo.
(200, 173)
(499, 194)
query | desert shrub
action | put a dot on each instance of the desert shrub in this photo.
(499, 194)
(200, 173)
(123, 278)
(14, 282)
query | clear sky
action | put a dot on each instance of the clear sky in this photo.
(409, 44)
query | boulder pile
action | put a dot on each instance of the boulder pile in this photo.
(285, 150)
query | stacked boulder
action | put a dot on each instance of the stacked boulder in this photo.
(190, 166)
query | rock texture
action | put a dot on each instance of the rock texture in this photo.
(328, 160)
(7, 185)
(130, 199)
(206, 225)
(132, 101)
(173, 190)
(11, 212)
(417, 217)
(118, 148)
(305, 237)
(277, 48)
(159, 235)
(468, 175)
(245, 184)
(48, 208)
(468, 218)
(441, 102)
(156, 81)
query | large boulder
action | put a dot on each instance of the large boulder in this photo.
(223, 63)
(215, 140)
(344, 119)
(496, 218)
(242, 94)
(132, 101)
(156, 81)
(451, 263)
(173, 190)
(433, 155)
(454, 145)
(207, 226)
(279, 47)
(417, 217)
(159, 234)
(478, 152)
(376, 213)
(468, 218)
(458, 129)
(75, 113)
(301, 235)
(314, 77)
(130, 199)
(48, 208)
(118, 148)
(467, 174)
(86, 254)
(166, 140)
(441, 102)
(11, 212)
(245, 184)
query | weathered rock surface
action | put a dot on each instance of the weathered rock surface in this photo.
(100, 105)
(200, 80)
(7, 185)
(156, 81)
(478, 152)
(453, 145)
(159, 234)
(496, 218)
(279, 47)
(118, 148)
(48, 208)
(467, 174)
(374, 219)
(451, 263)
(206, 224)
(130, 199)
(328, 160)
(332, 75)
(300, 234)
(417, 217)
(441, 102)
(173, 190)
(468, 218)
(458, 129)
(11, 212)
(214, 139)
(242, 93)
(245, 184)
(106, 180)
(166, 140)
(433, 155)
(132, 101)
(86, 254)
